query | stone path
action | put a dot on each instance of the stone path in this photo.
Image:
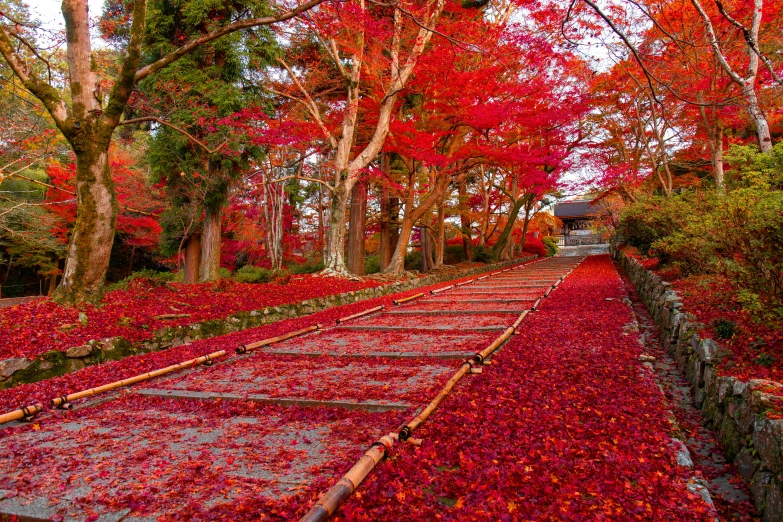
(264, 433)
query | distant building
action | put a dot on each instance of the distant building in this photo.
(577, 217)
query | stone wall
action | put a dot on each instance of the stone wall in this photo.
(736, 409)
(50, 364)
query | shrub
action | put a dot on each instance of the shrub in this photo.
(482, 254)
(372, 265)
(254, 274)
(550, 243)
(152, 276)
(534, 246)
(724, 329)
(310, 267)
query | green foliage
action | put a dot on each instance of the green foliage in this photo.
(482, 254)
(738, 233)
(724, 329)
(145, 273)
(550, 243)
(254, 274)
(372, 265)
(310, 267)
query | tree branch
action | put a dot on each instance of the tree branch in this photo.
(174, 127)
(214, 35)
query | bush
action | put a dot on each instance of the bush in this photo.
(482, 254)
(372, 265)
(737, 234)
(550, 243)
(534, 246)
(153, 276)
(310, 267)
(254, 274)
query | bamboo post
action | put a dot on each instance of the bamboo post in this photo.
(244, 348)
(22, 413)
(60, 402)
(439, 290)
(406, 299)
(339, 493)
(406, 431)
(360, 314)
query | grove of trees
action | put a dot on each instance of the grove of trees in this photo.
(201, 136)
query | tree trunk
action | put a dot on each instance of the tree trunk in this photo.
(426, 250)
(356, 225)
(394, 215)
(93, 233)
(467, 236)
(192, 259)
(53, 279)
(335, 260)
(209, 270)
(130, 264)
(385, 246)
(440, 243)
(397, 262)
(505, 235)
(757, 115)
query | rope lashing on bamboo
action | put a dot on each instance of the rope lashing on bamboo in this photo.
(60, 402)
(24, 412)
(406, 299)
(244, 348)
(360, 314)
(344, 488)
(439, 290)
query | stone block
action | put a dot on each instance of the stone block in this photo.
(773, 508)
(78, 351)
(711, 352)
(758, 487)
(746, 464)
(725, 387)
(768, 442)
(8, 367)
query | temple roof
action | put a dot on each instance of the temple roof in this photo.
(574, 209)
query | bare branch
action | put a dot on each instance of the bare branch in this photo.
(174, 127)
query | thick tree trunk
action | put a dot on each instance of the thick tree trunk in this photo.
(425, 243)
(93, 232)
(209, 270)
(356, 225)
(335, 260)
(192, 259)
(53, 279)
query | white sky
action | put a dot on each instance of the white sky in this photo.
(48, 11)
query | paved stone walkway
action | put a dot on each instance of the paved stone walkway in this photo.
(259, 434)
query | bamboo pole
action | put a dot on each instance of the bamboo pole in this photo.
(406, 299)
(482, 277)
(535, 305)
(489, 350)
(360, 314)
(439, 290)
(61, 401)
(464, 283)
(406, 431)
(21, 413)
(339, 493)
(519, 319)
(244, 348)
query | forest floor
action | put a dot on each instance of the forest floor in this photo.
(147, 305)
(564, 423)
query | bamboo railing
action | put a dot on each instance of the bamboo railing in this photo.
(244, 348)
(360, 314)
(22, 413)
